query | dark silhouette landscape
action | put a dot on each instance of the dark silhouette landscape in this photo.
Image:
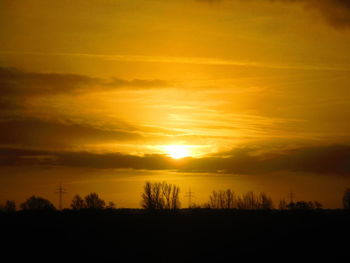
(226, 229)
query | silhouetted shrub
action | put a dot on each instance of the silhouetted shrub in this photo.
(160, 195)
(318, 205)
(110, 205)
(10, 206)
(303, 205)
(37, 204)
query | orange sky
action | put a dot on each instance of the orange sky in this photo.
(245, 87)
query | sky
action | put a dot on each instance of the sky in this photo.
(250, 95)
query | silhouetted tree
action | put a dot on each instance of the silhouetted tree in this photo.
(93, 201)
(248, 201)
(228, 200)
(283, 205)
(170, 194)
(214, 201)
(265, 202)
(174, 203)
(37, 203)
(151, 196)
(77, 203)
(160, 195)
(223, 199)
(346, 199)
(10, 206)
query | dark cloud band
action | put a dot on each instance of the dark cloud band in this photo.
(31, 132)
(333, 159)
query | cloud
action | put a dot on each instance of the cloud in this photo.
(335, 12)
(20, 126)
(332, 159)
(15, 82)
(320, 159)
(38, 133)
(20, 157)
(17, 87)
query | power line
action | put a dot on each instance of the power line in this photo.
(60, 191)
(189, 195)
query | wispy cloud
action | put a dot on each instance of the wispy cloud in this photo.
(187, 60)
(15, 82)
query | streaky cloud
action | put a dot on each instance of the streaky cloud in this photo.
(15, 82)
(210, 61)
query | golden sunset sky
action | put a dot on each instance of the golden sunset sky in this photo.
(101, 95)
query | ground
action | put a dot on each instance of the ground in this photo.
(187, 236)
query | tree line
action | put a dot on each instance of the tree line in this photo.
(164, 196)
(91, 201)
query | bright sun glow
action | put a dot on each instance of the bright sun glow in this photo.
(177, 151)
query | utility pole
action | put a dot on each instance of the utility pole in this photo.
(189, 194)
(60, 191)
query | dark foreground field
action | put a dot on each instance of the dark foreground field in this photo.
(217, 236)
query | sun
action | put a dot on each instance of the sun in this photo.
(177, 151)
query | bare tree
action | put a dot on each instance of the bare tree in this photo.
(77, 203)
(265, 202)
(147, 197)
(240, 203)
(152, 198)
(248, 201)
(160, 195)
(346, 199)
(93, 201)
(223, 199)
(214, 200)
(175, 200)
(283, 205)
(166, 192)
(37, 203)
(228, 200)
